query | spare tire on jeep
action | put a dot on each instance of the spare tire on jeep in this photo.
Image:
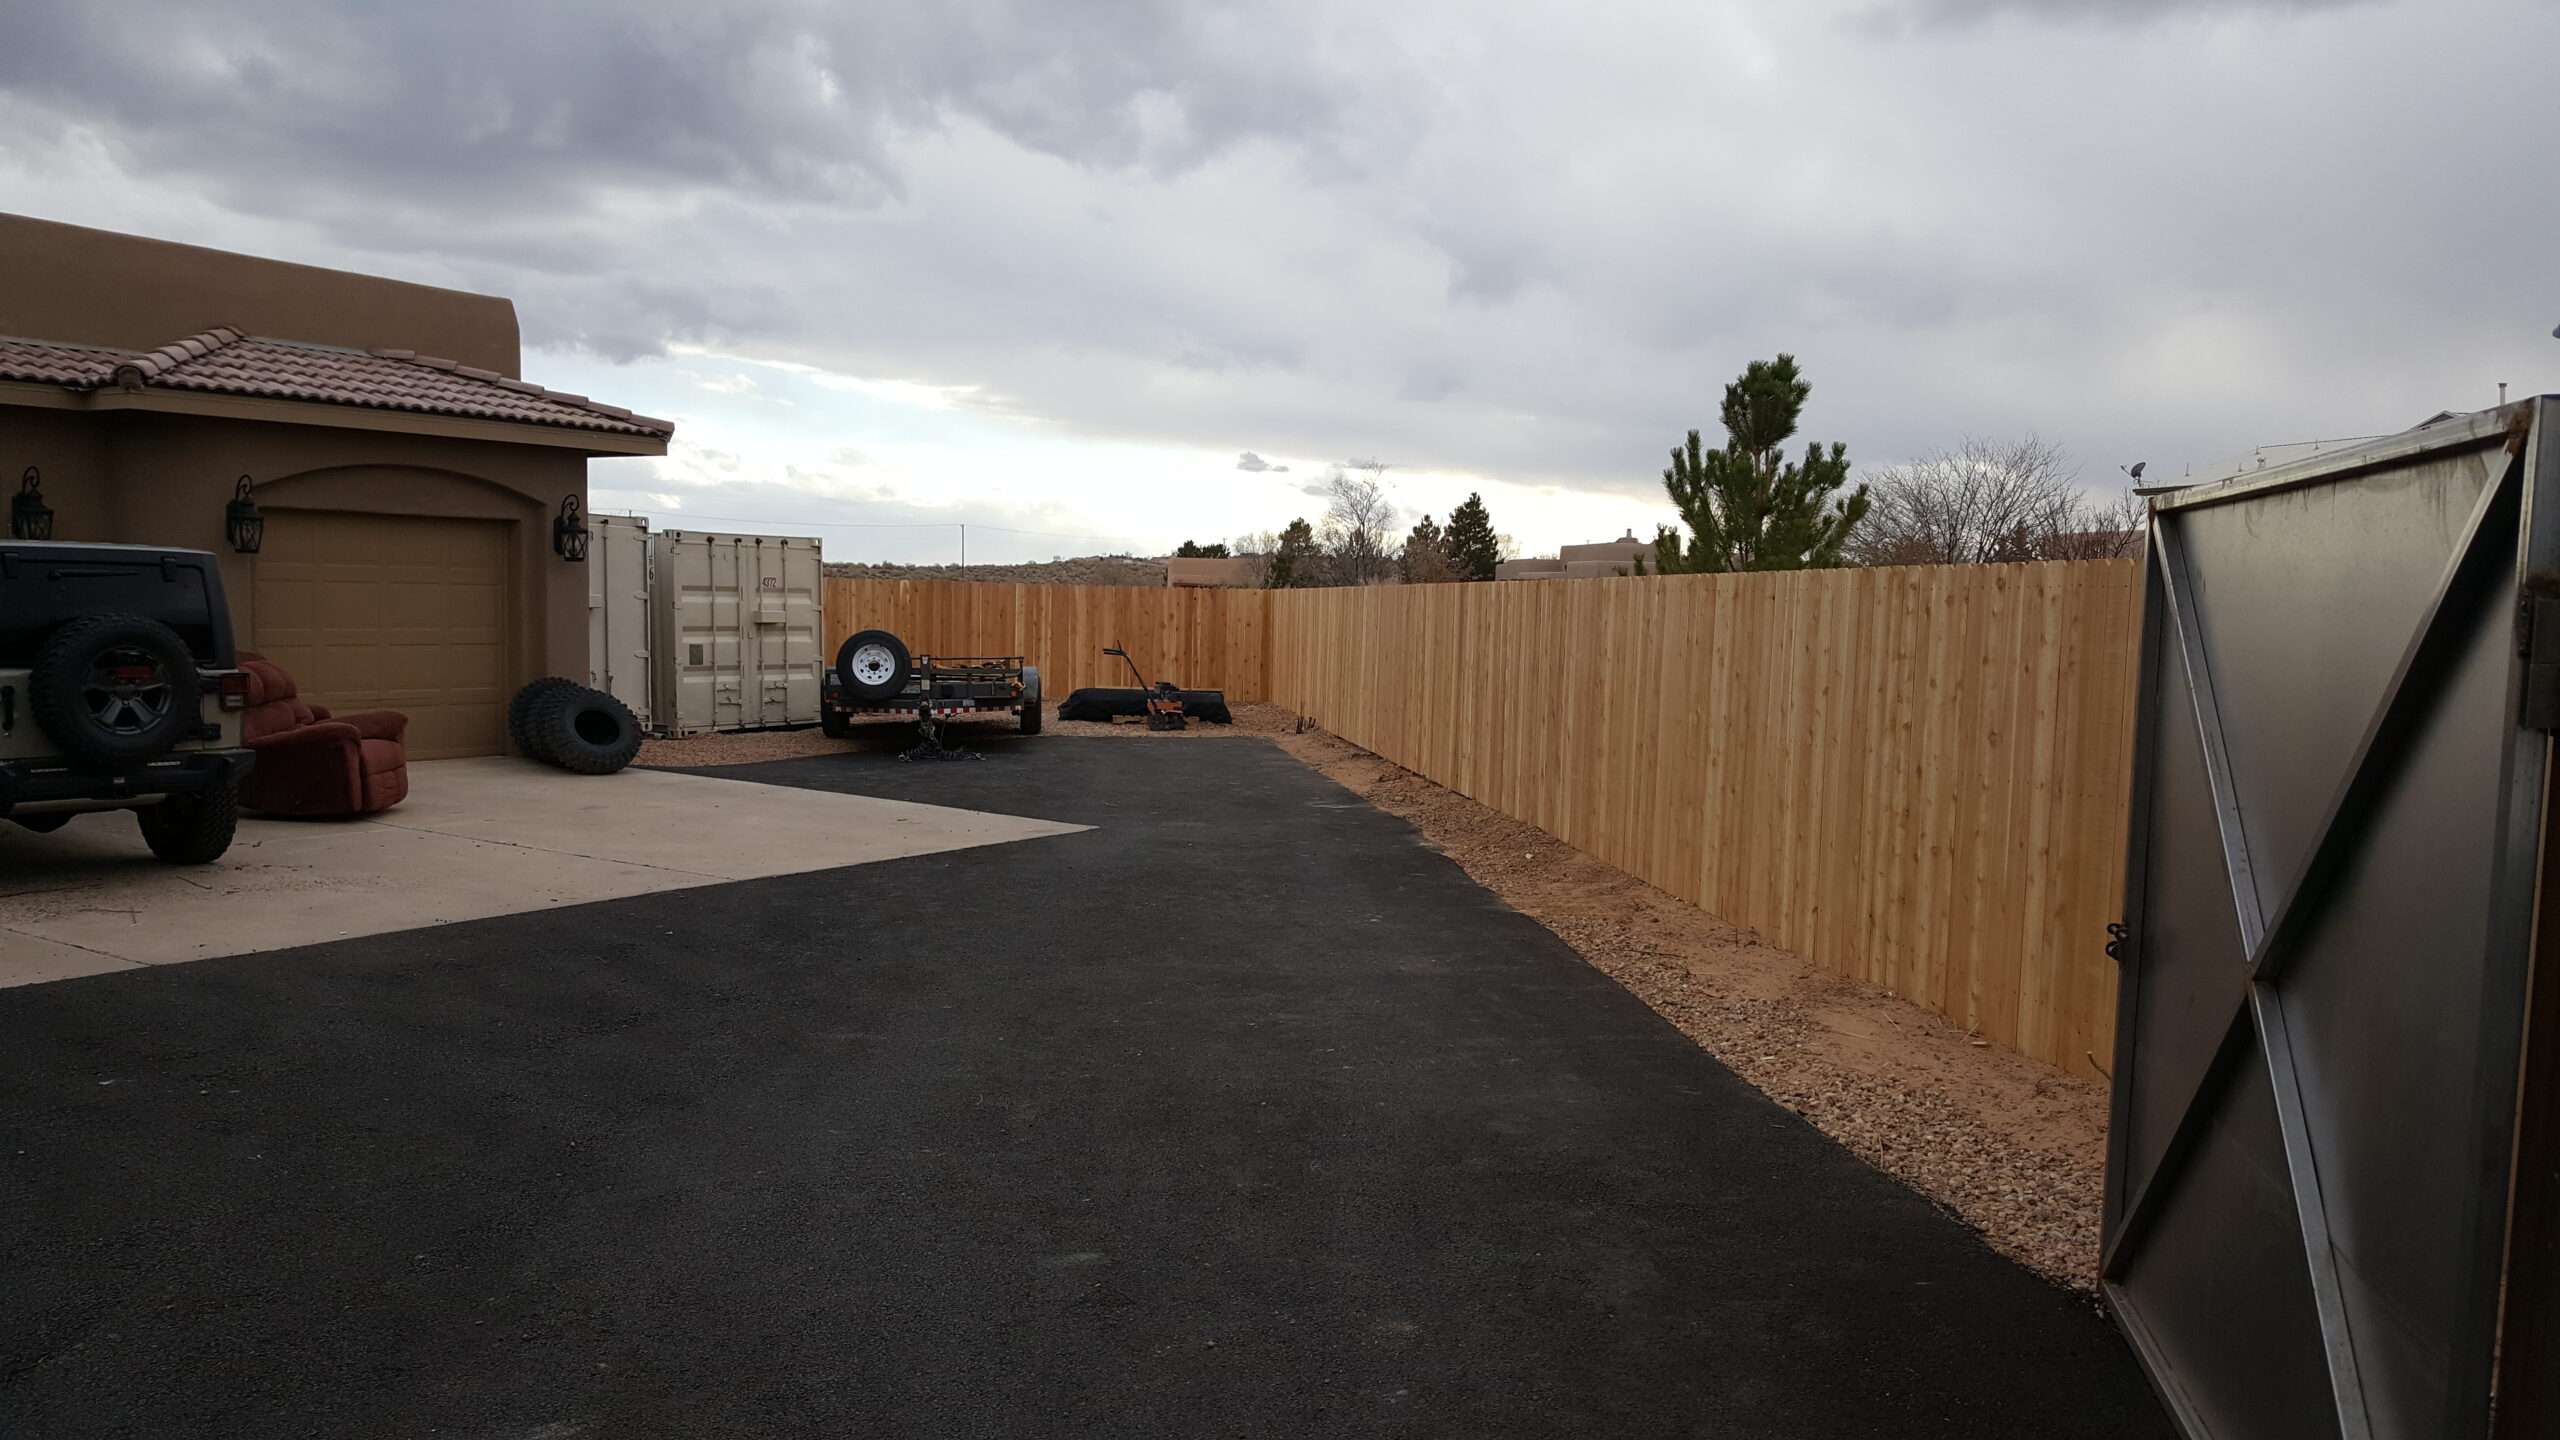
(113, 690)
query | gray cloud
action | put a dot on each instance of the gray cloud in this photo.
(1923, 14)
(338, 111)
(1255, 464)
(1487, 237)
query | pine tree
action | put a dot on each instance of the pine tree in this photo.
(1470, 541)
(1194, 550)
(1293, 563)
(1425, 560)
(1746, 509)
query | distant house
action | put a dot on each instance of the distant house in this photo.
(1583, 562)
(407, 479)
(1242, 572)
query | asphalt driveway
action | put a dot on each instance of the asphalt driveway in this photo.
(1242, 1113)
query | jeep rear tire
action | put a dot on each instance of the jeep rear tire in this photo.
(192, 829)
(114, 691)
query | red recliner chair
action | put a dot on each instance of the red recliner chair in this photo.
(313, 763)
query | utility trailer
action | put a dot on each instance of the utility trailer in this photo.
(874, 675)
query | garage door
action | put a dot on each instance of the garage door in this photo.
(392, 612)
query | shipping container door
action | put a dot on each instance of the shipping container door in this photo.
(618, 648)
(392, 612)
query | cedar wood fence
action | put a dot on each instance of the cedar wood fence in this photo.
(1914, 776)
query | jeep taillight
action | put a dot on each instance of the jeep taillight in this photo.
(235, 690)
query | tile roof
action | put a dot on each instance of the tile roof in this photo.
(222, 361)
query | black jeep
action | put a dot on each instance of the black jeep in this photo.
(120, 690)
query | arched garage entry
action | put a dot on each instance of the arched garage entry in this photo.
(376, 610)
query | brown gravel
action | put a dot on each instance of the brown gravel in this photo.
(2011, 1147)
(745, 749)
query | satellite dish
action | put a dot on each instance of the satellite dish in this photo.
(2134, 471)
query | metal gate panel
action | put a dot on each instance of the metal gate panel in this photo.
(2336, 837)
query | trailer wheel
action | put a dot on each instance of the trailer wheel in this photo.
(1030, 699)
(874, 665)
(835, 726)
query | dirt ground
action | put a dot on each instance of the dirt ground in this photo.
(2011, 1147)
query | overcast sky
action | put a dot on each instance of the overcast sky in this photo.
(1060, 267)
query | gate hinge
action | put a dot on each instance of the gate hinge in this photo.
(2538, 642)
(2118, 932)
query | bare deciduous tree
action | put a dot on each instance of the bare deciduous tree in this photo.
(1990, 501)
(1359, 522)
(1256, 548)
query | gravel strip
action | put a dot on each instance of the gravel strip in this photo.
(2011, 1147)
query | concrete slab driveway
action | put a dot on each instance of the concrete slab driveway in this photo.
(1242, 1113)
(475, 838)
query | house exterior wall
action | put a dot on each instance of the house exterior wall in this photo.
(96, 287)
(144, 478)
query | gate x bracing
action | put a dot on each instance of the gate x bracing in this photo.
(2330, 1175)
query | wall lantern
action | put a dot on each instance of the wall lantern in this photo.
(569, 531)
(29, 517)
(242, 525)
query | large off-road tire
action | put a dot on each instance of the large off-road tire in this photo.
(192, 829)
(1106, 703)
(114, 691)
(874, 665)
(586, 732)
(1030, 699)
(1209, 705)
(1102, 702)
(525, 709)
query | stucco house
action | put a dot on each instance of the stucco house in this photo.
(407, 481)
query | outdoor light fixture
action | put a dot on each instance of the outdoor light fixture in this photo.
(29, 517)
(569, 531)
(242, 525)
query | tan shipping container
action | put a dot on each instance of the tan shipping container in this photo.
(619, 559)
(737, 629)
